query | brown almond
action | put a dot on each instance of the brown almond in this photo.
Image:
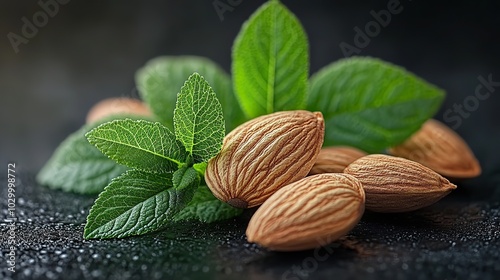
(117, 106)
(263, 155)
(335, 159)
(438, 147)
(394, 184)
(309, 213)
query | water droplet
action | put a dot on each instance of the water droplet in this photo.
(50, 275)
(27, 272)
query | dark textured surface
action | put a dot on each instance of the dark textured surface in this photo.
(457, 238)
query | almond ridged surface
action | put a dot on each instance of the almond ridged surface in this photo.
(117, 106)
(335, 159)
(309, 213)
(263, 155)
(438, 147)
(394, 184)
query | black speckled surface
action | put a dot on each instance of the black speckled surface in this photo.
(457, 238)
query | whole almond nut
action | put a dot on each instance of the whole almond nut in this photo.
(263, 155)
(394, 184)
(335, 159)
(308, 213)
(116, 106)
(441, 149)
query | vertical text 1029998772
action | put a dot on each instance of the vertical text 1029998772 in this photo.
(11, 217)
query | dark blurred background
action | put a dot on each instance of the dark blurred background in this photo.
(90, 50)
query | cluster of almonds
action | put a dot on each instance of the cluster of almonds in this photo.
(308, 194)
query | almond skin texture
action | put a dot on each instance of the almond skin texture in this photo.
(441, 149)
(335, 159)
(394, 184)
(263, 155)
(309, 213)
(116, 106)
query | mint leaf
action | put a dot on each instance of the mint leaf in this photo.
(198, 119)
(139, 144)
(186, 177)
(207, 208)
(271, 62)
(200, 167)
(135, 203)
(161, 78)
(77, 166)
(371, 104)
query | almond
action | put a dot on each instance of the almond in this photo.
(335, 159)
(394, 184)
(438, 147)
(263, 155)
(305, 214)
(116, 106)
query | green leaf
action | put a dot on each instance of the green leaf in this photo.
(371, 104)
(186, 177)
(139, 144)
(271, 62)
(200, 167)
(207, 208)
(136, 203)
(77, 166)
(161, 78)
(198, 119)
